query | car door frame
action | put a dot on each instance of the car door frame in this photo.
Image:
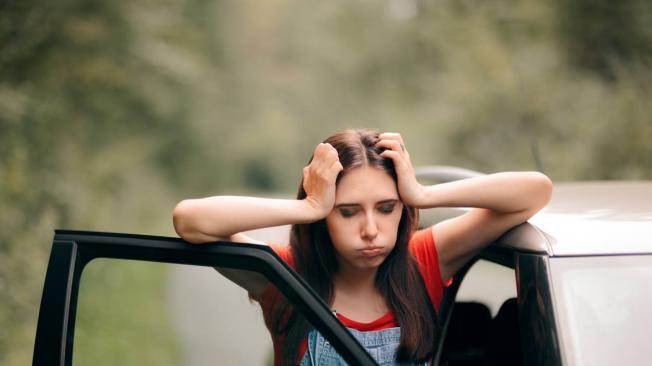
(537, 326)
(73, 250)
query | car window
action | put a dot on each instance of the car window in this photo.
(137, 313)
(488, 283)
(483, 326)
(603, 308)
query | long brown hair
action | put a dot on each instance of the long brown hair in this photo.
(396, 277)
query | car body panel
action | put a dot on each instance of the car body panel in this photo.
(596, 218)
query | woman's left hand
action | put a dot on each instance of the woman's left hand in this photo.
(409, 189)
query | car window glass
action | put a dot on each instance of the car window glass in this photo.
(488, 283)
(603, 308)
(483, 325)
(138, 313)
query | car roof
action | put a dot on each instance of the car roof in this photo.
(589, 218)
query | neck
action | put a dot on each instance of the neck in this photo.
(349, 279)
(356, 294)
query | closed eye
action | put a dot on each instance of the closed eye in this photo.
(347, 212)
(386, 209)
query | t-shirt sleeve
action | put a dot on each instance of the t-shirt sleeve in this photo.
(283, 251)
(423, 248)
(271, 292)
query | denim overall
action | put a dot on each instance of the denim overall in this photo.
(380, 344)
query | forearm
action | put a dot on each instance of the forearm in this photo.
(214, 218)
(502, 192)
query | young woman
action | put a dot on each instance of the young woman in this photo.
(354, 240)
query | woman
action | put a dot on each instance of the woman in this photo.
(354, 240)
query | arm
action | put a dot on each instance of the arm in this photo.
(501, 201)
(210, 219)
(505, 192)
(213, 218)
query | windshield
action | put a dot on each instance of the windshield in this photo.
(604, 308)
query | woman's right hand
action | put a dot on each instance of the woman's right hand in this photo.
(319, 179)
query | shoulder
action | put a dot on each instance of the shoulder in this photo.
(285, 252)
(422, 243)
(423, 248)
(282, 250)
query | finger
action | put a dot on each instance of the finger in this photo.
(326, 165)
(321, 156)
(323, 149)
(391, 144)
(325, 160)
(318, 148)
(306, 176)
(394, 155)
(327, 146)
(330, 155)
(337, 167)
(332, 163)
(315, 155)
(391, 136)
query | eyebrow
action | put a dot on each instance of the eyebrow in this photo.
(391, 200)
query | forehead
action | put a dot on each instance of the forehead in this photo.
(365, 185)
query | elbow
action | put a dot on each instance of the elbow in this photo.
(182, 220)
(542, 190)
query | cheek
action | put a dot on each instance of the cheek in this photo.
(390, 224)
(339, 228)
(392, 221)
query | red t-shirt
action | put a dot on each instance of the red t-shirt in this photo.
(422, 247)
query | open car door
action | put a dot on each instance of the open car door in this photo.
(73, 250)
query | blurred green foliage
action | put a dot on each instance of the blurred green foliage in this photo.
(112, 111)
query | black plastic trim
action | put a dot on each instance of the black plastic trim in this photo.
(539, 340)
(447, 305)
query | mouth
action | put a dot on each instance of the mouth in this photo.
(371, 251)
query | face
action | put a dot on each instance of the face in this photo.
(364, 222)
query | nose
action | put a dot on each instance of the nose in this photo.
(369, 227)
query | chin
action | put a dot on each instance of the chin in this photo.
(373, 262)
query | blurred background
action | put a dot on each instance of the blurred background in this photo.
(113, 111)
